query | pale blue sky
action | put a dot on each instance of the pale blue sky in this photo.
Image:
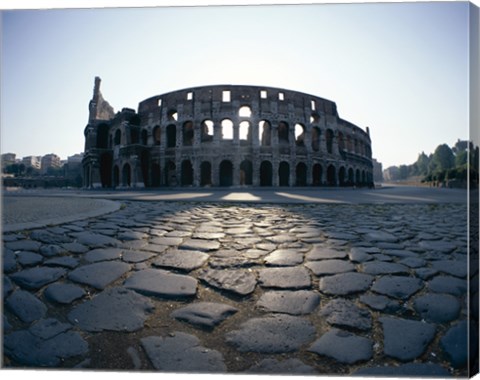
(399, 68)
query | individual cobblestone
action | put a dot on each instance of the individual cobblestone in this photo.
(333, 289)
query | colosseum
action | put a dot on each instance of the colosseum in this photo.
(224, 135)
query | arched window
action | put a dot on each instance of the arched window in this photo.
(315, 139)
(329, 140)
(244, 131)
(266, 173)
(118, 137)
(341, 141)
(317, 174)
(144, 137)
(156, 135)
(299, 135)
(301, 174)
(227, 129)
(126, 175)
(245, 111)
(283, 132)
(188, 133)
(331, 176)
(246, 172)
(171, 136)
(187, 173)
(172, 115)
(265, 133)
(284, 174)
(341, 176)
(205, 174)
(207, 130)
(226, 173)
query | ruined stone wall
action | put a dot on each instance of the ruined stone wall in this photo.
(228, 135)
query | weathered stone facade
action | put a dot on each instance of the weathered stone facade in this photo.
(224, 135)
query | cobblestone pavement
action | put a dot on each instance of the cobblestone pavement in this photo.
(293, 289)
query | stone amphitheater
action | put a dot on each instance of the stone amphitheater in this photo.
(224, 135)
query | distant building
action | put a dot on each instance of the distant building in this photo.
(377, 171)
(391, 173)
(8, 159)
(32, 161)
(50, 161)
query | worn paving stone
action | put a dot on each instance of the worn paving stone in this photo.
(63, 261)
(186, 260)
(359, 255)
(200, 245)
(26, 258)
(329, 267)
(288, 366)
(75, 248)
(166, 241)
(161, 283)
(343, 346)
(103, 254)
(26, 306)
(114, 309)
(155, 248)
(344, 313)
(35, 278)
(204, 314)
(99, 275)
(182, 353)
(48, 237)
(400, 253)
(52, 250)
(437, 308)
(284, 257)
(425, 273)
(419, 370)
(31, 350)
(272, 334)
(413, 262)
(63, 293)
(239, 281)
(48, 328)
(455, 344)
(449, 285)
(405, 339)
(380, 303)
(397, 286)
(284, 278)
(23, 245)
(136, 256)
(438, 245)
(131, 235)
(289, 302)
(381, 267)
(319, 252)
(9, 261)
(451, 267)
(95, 240)
(380, 236)
(345, 283)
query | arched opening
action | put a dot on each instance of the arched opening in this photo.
(315, 139)
(265, 133)
(145, 164)
(331, 177)
(301, 174)
(227, 129)
(171, 136)
(341, 141)
(355, 143)
(329, 140)
(170, 174)
(172, 115)
(102, 136)
(156, 175)
(118, 137)
(351, 177)
(284, 174)
(266, 173)
(187, 173)
(188, 133)
(116, 176)
(299, 135)
(226, 173)
(246, 173)
(144, 137)
(349, 143)
(283, 132)
(317, 175)
(126, 175)
(315, 118)
(207, 130)
(244, 131)
(245, 111)
(157, 135)
(357, 177)
(205, 174)
(106, 169)
(364, 178)
(134, 135)
(341, 176)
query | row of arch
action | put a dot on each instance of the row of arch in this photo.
(299, 135)
(287, 175)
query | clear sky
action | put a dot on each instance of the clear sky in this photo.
(399, 68)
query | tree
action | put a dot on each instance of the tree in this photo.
(443, 159)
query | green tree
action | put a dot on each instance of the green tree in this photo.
(442, 159)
